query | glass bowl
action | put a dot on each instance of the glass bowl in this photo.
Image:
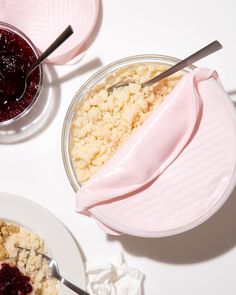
(33, 90)
(98, 78)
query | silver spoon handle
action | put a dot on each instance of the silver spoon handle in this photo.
(60, 39)
(73, 287)
(207, 50)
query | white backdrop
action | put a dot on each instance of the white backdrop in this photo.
(202, 261)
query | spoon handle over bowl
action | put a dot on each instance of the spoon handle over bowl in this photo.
(207, 50)
(60, 39)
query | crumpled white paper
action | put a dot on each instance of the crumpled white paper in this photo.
(113, 278)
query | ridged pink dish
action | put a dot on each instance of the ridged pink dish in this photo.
(188, 191)
(193, 187)
(42, 21)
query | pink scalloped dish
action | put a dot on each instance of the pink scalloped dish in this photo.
(175, 170)
(42, 20)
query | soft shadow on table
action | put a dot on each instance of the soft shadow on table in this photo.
(232, 95)
(85, 68)
(211, 239)
(39, 117)
(232, 92)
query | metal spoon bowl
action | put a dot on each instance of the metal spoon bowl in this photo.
(20, 85)
(205, 51)
(55, 273)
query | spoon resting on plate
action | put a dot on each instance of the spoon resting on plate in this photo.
(205, 51)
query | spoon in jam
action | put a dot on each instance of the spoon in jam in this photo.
(18, 80)
(205, 51)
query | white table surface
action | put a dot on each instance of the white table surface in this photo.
(202, 261)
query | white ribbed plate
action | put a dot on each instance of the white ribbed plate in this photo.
(60, 243)
(43, 20)
(193, 188)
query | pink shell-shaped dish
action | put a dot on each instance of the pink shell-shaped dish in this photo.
(191, 188)
(42, 21)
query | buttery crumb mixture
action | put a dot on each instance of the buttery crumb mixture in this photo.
(30, 263)
(103, 122)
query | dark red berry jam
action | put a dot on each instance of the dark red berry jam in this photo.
(13, 282)
(16, 56)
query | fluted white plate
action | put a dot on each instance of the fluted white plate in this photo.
(60, 243)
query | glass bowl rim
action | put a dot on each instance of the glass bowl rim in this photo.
(13, 29)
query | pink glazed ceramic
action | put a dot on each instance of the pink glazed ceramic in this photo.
(189, 190)
(42, 20)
